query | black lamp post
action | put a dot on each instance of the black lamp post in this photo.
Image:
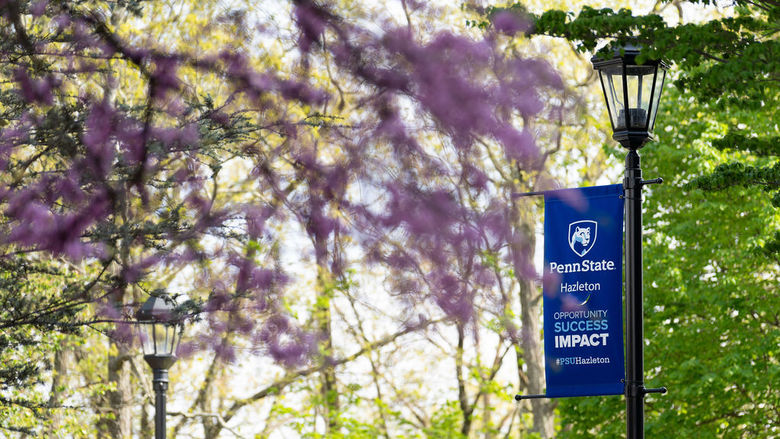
(633, 92)
(160, 335)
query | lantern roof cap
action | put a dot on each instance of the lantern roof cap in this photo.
(157, 308)
(625, 54)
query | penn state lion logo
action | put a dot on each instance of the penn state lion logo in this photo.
(582, 236)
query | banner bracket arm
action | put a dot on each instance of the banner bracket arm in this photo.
(521, 397)
(527, 194)
(541, 396)
(662, 390)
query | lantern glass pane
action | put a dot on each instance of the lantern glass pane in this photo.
(658, 87)
(612, 81)
(172, 330)
(155, 338)
(176, 338)
(147, 337)
(162, 342)
(639, 80)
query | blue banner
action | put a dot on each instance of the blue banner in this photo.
(583, 269)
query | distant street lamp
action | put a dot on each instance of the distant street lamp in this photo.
(160, 334)
(633, 92)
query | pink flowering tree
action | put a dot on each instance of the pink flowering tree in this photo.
(131, 187)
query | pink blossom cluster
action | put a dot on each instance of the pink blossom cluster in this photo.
(89, 177)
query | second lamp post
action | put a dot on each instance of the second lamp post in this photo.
(160, 334)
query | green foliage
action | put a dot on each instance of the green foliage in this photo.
(729, 64)
(710, 298)
(738, 174)
(727, 60)
(742, 141)
(445, 423)
(39, 301)
(712, 315)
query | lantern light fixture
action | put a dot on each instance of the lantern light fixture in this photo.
(632, 92)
